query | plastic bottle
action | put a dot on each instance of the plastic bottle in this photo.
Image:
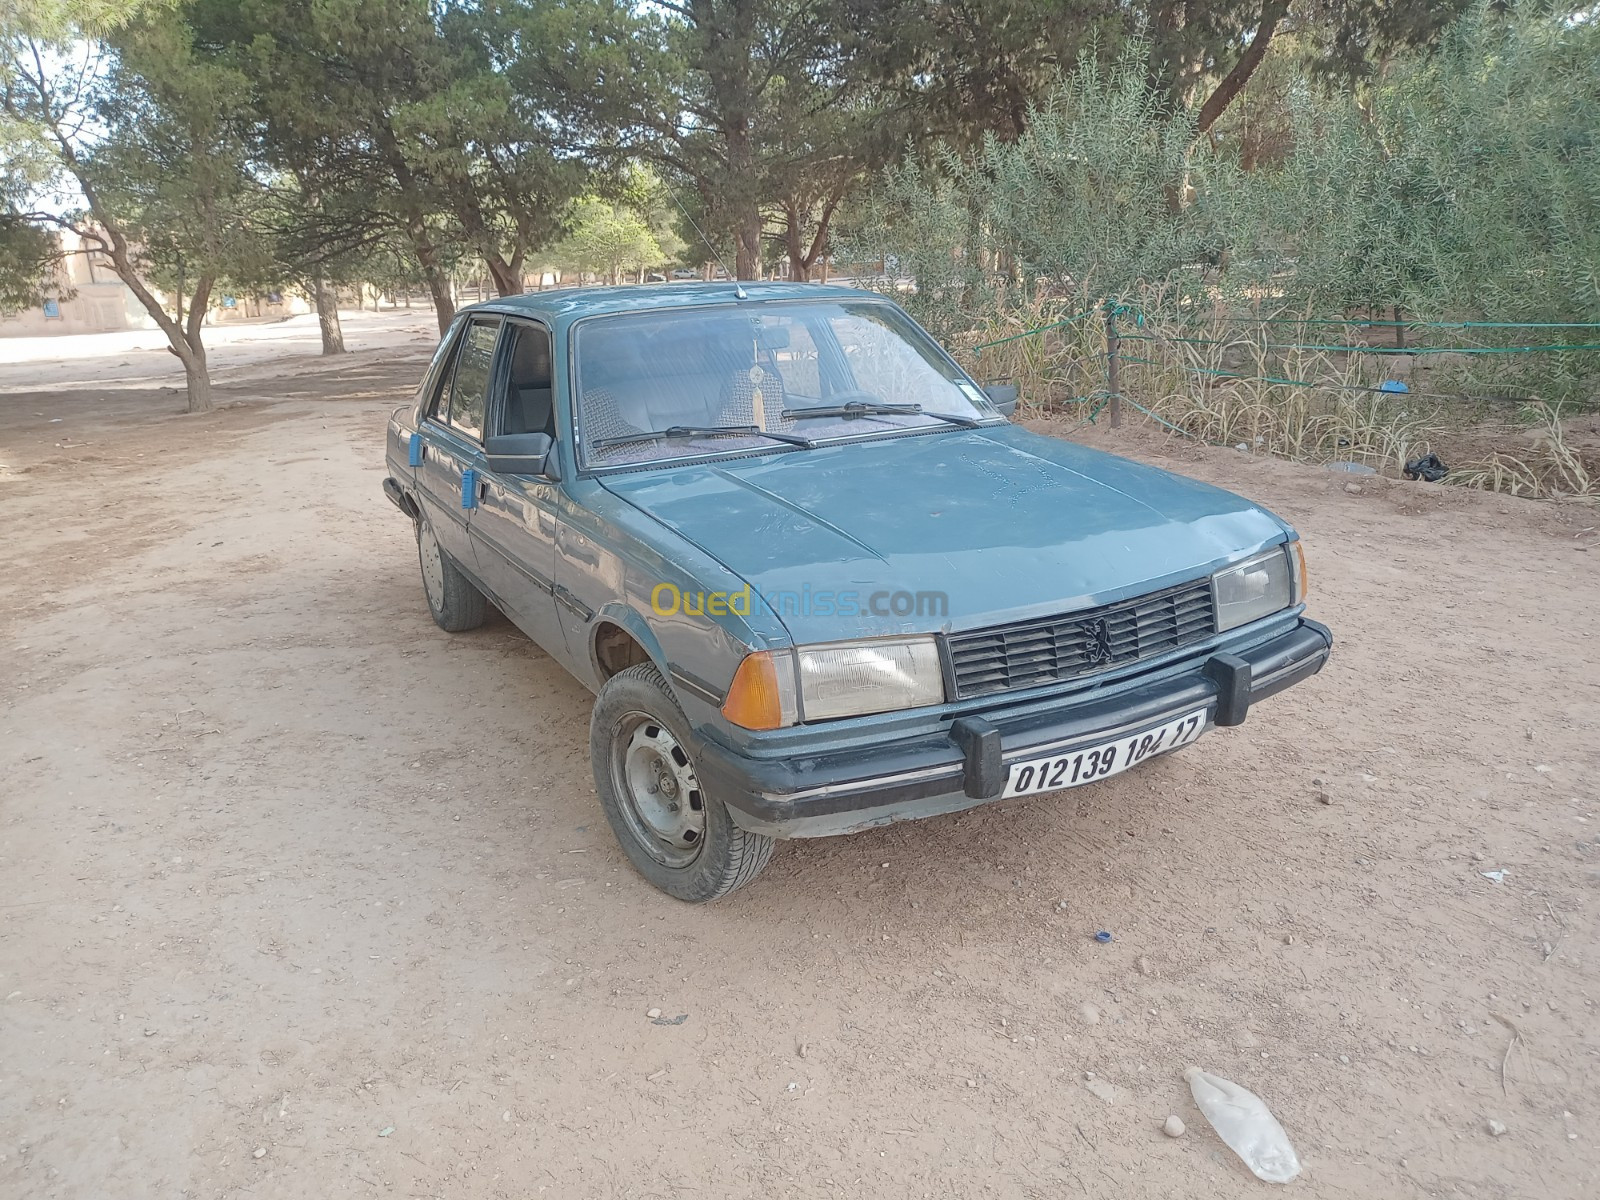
(1245, 1124)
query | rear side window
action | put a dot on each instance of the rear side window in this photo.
(437, 380)
(469, 382)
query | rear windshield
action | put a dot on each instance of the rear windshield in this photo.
(759, 367)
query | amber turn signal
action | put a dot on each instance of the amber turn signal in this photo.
(757, 697)
(1302, 577)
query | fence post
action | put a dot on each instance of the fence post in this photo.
(1113, 383)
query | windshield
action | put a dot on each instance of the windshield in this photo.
(755, 370)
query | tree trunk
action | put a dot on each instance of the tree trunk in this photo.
(190, 348)
(183, 335)
(747, 253)
(799, 268)
(197, 380)
(439, 284)
(741, 200)
(444, 308)
(507, 276)
(1272, 12)
(802, 258)
(327, 302)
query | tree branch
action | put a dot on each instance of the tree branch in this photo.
(1272, 13)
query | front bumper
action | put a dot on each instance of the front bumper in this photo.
(848, 791)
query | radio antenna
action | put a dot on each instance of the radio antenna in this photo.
(738, 288)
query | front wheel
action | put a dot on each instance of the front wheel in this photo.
(678, 837)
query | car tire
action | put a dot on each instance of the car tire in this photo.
(676, 835)
(455, 602)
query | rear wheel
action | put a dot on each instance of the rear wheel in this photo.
(455, 603)
(678, 837)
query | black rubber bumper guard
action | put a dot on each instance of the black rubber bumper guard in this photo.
(971, 758)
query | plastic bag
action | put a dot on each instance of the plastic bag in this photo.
(1428, 468)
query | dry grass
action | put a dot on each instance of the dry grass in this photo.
(1226, 386)
(1552, 469)
(1230, 382)
(1051, 368)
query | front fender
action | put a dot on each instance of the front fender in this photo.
(618, 613)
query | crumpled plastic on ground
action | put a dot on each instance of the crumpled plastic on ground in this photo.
(1429, 468)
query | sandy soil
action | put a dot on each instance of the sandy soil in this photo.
(243, 351)
(300, 896)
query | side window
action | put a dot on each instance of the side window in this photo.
(439, 401)
(469, 382)
(528, 405)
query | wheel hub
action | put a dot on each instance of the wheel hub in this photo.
(660, 791)
(432, 568)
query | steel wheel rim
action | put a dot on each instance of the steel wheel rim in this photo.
(660, 794)
(432, 569)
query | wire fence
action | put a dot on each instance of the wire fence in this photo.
(1114, 311)
(1250, 386)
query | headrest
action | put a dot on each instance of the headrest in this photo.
(530, 359)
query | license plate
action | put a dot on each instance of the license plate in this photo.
(1090, 763)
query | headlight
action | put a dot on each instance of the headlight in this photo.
(772, 689)
(856, 678)
(1255, 588)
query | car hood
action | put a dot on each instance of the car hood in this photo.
(1003, 524)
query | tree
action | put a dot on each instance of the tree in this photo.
(970, 68)
(145, 136)
(28, 253)
(433, 121)
(330, 83)
(1220, 44)
(609, 239)
(720, 99)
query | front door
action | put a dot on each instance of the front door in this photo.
(514, 527)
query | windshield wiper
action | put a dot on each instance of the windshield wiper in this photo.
(690, 431)
(860, 408)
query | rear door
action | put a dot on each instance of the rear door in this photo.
(449, 477)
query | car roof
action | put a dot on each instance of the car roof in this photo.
(568, 304)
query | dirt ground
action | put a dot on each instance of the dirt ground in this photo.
(300, 896)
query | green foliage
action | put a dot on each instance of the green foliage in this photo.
(27, 254)
(172, 164)
(609, 239)
(27, 251)
(1465, 185)
(1084, 204)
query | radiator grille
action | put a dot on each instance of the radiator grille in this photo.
(1050, 649)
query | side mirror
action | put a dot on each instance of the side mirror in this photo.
(1003, 396)
(519, 453)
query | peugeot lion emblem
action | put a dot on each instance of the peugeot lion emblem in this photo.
(1098, 649)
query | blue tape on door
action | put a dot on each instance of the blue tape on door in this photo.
(469, 489)
(416, 450)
